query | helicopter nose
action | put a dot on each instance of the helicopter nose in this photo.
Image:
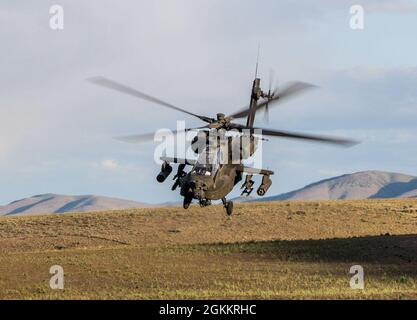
(198, 186)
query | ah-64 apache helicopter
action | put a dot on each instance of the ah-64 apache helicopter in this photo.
(212, 178)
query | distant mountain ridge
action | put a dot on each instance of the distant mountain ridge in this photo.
(360, 185)
(56, 203)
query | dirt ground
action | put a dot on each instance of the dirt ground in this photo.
(281, 250)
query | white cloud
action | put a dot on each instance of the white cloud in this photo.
(110, 164)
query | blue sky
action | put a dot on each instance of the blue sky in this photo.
(56, 129)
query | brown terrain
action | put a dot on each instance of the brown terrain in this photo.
(277, 250)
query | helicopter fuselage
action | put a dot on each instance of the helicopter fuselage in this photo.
(206, 187)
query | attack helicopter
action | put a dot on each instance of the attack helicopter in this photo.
(217, 170)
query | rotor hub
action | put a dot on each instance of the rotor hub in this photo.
(221, 117)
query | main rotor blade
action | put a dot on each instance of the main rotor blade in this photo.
(295, 135)
(139, 138)
(290, 90)
(110, 84)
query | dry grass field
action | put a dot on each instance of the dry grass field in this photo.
(285, 250)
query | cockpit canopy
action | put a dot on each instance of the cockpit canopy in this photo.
(208, 162)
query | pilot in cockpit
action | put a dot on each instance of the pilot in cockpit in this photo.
(207, 163)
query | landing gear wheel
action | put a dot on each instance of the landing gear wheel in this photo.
(229, 208)
(186, 203)
(228, 205)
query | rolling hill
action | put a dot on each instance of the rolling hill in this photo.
(55, 203)
(360, 185)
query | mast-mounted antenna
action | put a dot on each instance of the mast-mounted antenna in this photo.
(257, 61)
